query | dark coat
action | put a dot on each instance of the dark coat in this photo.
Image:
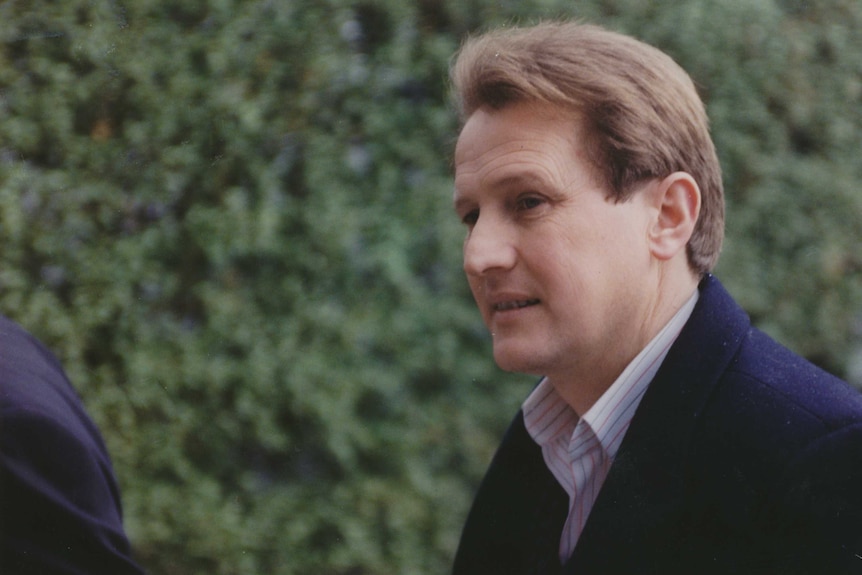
(741, 458)
(59, 502)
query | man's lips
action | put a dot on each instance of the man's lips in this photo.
(513, 304)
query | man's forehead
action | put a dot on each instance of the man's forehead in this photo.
(531, 120)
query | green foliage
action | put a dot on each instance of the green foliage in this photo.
(231, 220)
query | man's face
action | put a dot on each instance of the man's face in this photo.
(559, 271)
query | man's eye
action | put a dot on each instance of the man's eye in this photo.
(470, 218)
(529, 202)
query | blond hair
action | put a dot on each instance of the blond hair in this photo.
(640, 112)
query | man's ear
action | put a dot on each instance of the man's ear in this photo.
(677, 202)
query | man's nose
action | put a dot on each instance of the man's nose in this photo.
(489, 246)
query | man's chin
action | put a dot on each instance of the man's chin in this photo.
(517, 361)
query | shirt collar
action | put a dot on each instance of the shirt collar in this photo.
(547, 415)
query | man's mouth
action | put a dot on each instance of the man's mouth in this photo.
(516, 304)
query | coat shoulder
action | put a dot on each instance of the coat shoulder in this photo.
(779, 448)
(771, 395)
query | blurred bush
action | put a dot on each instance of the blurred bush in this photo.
(231, 220)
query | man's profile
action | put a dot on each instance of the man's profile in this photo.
(666, 435)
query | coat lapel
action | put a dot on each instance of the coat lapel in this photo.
(641, 503)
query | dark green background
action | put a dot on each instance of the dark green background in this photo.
(231, 220)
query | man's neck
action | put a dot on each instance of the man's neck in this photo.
(582, 387)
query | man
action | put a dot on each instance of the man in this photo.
(666, 435)
(59, 501)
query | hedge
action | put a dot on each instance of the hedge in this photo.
(232, 221)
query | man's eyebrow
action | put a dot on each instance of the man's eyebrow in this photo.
(528, 179)
(520, 180)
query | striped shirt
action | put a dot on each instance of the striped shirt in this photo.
(580, 451)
